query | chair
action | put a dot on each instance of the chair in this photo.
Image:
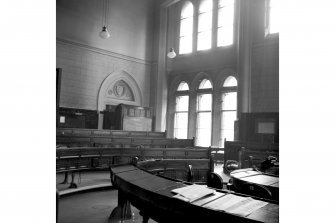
(230, 166)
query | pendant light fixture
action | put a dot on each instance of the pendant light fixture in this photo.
(105, 9)
(171, 54)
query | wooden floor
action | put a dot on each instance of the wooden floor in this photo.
(95, 206)
(92, 207)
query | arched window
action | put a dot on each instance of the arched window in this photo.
(186, 28)
(204, 114)
(183, 86)
(272, 17)
(228, 109)
(181, 112)
(205, 25)
(225, 27)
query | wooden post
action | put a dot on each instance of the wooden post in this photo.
(73, 184)
(190, 174)
(211, 163)
(123, 209)
(65, 181)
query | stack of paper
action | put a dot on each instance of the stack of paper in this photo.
(192, 192)
(236, 204)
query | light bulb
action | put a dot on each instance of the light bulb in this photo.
(171, 53)
(104, 33)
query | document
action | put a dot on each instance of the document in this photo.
(192, 192)
(204, 200)
(247, 207)
(234, 204)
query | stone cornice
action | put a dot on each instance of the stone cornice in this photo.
(104, 52)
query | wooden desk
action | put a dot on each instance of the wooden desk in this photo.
(153, 197)
(255, 183)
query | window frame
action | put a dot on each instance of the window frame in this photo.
(214, 29)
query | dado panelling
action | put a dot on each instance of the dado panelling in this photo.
(85, 68)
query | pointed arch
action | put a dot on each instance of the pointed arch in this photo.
(119, 87)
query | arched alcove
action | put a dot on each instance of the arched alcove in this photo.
(119, 87)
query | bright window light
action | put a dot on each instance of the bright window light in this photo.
(186, 29)
(228, 109)
(181, 117)
(205, 25)
(273, 16)
(182, 103)
(205, 40)
(204, 120)
(183, 86)
(225, 33)
(230, 82)
(205, 84)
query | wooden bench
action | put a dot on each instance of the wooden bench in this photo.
(92, 158)
(191, 170)
(249, 154)
(110, 133)
(117, 138)
(80, 141)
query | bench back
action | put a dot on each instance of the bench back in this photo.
(179, 168)
(241, 152)
(117, 138)
(110, 133)
(103, 158)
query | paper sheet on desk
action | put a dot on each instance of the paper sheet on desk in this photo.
(242, 206)
(192, 192)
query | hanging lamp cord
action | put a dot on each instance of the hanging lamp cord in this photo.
(103, 13)
(106, 13)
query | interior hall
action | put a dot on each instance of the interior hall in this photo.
(167, 110)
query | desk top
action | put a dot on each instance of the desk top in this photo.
(255, 177)
(148, 189)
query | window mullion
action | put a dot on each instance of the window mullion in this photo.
(195, 26)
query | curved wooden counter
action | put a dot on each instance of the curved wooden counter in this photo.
(152, 195)
(255, 183)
